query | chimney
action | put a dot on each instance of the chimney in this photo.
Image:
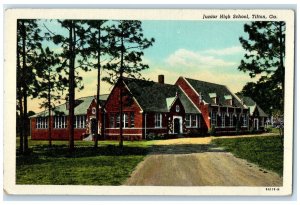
(161, 79)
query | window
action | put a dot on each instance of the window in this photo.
(132, 119)
(60, 122)
(80, 121)
(230, 119)
(244, 120)
(158, 120)
(112, 121)
(125, 120)
(177, 108)
(213, 119)
(188, 120)
(118, 120)
(194, 120)
(223, 119)
(41, 123)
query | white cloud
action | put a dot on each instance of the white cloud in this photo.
(234, 81)
(224, 51)
(183, 58)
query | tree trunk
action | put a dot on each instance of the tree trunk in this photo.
(121, 93)
(121, 115)
(49, 110)
(98, 87)
(24, 71)
(21, 124)
(71, 87)
(20, 94)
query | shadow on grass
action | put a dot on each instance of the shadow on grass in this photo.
(184, 149)
(43, 153)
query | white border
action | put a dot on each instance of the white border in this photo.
(175, 14)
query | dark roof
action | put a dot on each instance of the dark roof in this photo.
(82, 104)
(153, 96)
(210, 89)
(249, 102)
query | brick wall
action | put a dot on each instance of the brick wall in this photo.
(56, 134)
(129, 106)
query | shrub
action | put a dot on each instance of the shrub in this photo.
(212, 131)
(154, 136)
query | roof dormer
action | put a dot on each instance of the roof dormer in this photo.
(213, 97)
(228, 99)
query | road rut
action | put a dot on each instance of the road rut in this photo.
(198, 164)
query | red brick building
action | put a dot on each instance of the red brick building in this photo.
(85, 115)
(189, 107)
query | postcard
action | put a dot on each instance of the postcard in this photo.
(148, 102)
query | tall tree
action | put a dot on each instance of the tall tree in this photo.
(265, 93)
(50, 84)
(28, 41)
(265, 55)
(73, 57)
(97, 40)
(126, 45)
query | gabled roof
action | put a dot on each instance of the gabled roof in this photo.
(82, 104)
(210, 90)
(153, 96)
(170, 102)
(249, 102)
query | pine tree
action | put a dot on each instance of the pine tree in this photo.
(97, 40)
(50, 84)
(265, 56)
(126, 45)
(73, 57)
(28, 41)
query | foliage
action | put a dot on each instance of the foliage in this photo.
(154, 136)
(73, 56)
(265, 56)
(266, 152)
(126, 45)
(28, 41)
(265, 93)
(97, 42)
(212, 131)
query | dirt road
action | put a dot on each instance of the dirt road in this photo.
(176, 163)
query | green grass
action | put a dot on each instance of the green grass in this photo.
(106, 165)
(266, 152)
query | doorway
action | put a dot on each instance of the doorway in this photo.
(177, 125)
(93, 126)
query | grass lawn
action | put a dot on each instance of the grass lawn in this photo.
(107, 165)
(266, 152)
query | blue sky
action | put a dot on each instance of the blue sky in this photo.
(203, 50)
(191, 35)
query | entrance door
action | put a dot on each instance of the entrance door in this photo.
(93, 125)
(176, 126)
(255, 123)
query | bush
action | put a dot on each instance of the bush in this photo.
(252, 130)
(268, 129)
(212, 131)
(154, 136)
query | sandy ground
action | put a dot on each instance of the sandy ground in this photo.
(193, 162)
(204, 140)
